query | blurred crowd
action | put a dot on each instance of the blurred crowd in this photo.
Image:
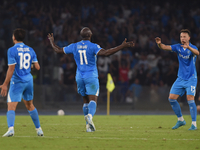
(111, 22)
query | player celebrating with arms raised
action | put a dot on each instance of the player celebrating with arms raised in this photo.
(20, 58)
(87, 75)
(187, 76)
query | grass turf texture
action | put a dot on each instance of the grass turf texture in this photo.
(113, 132)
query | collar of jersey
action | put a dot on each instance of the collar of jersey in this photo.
(85, 41)
(19, 44)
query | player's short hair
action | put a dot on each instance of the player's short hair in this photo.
(86, 33)
(19, 34)
(186, 31)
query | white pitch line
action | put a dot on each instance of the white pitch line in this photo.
(104, 138)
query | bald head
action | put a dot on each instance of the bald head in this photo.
(86, 33)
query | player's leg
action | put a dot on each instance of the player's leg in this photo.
(14, 96)
(92, 105)
(10, 118)
(85, 111)
(92, 90)
(176, 90)
(191, 91)
(81, 90)
(28, 101)
(91, 111)
(193, 111)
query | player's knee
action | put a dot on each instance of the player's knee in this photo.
(173, 96)
(190, 97)
(30, 106)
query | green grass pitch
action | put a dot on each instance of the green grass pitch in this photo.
(138, 132)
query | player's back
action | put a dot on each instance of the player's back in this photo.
(85, 56)
(22, 56)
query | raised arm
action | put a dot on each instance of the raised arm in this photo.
(162, 46)
(56, 48)
(111, 51)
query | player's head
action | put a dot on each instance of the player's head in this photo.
(86, 33)
(18, 35)
(185, 36)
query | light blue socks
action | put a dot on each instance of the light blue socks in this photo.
(92, 107)
(176, 107)
(85, 110)
(193, 110)
(10, 118)
(35, 117)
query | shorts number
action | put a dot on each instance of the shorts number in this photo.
(192, 89)
(24, 60)
(83, 54)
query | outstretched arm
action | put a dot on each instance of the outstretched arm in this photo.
(4, 86)
(162, 46)
(56, 48)
(111, 51)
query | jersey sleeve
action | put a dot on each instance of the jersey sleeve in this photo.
(11, 58)
(96, 49)
(34, 60)
(69, 49)
(175, 47)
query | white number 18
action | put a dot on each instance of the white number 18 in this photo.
(24, 60)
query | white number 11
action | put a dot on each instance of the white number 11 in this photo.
(83, 54)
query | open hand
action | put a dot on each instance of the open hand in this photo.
(158, 40)
(50, 37)
(185, 45)
(4, 90)
(128, 44)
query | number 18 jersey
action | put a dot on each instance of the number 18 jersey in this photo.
(85, 56)
(22, 56)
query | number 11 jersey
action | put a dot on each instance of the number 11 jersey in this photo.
(22, 56)
(85, 57)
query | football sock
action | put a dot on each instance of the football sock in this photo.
(193, 111)
(194, 123)
(85, 110)
(180, 118)
(35, 117)
(10, 118)
(176, 108)
(92, 107)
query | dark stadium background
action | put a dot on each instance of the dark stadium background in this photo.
(143, 75)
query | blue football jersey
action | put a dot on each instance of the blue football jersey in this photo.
(85, 56)
(22, 56)
(187, 59)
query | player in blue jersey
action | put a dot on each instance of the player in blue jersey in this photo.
(85, 53)
(187, 76)
(20, 58)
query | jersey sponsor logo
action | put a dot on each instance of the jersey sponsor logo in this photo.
(184, 57)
